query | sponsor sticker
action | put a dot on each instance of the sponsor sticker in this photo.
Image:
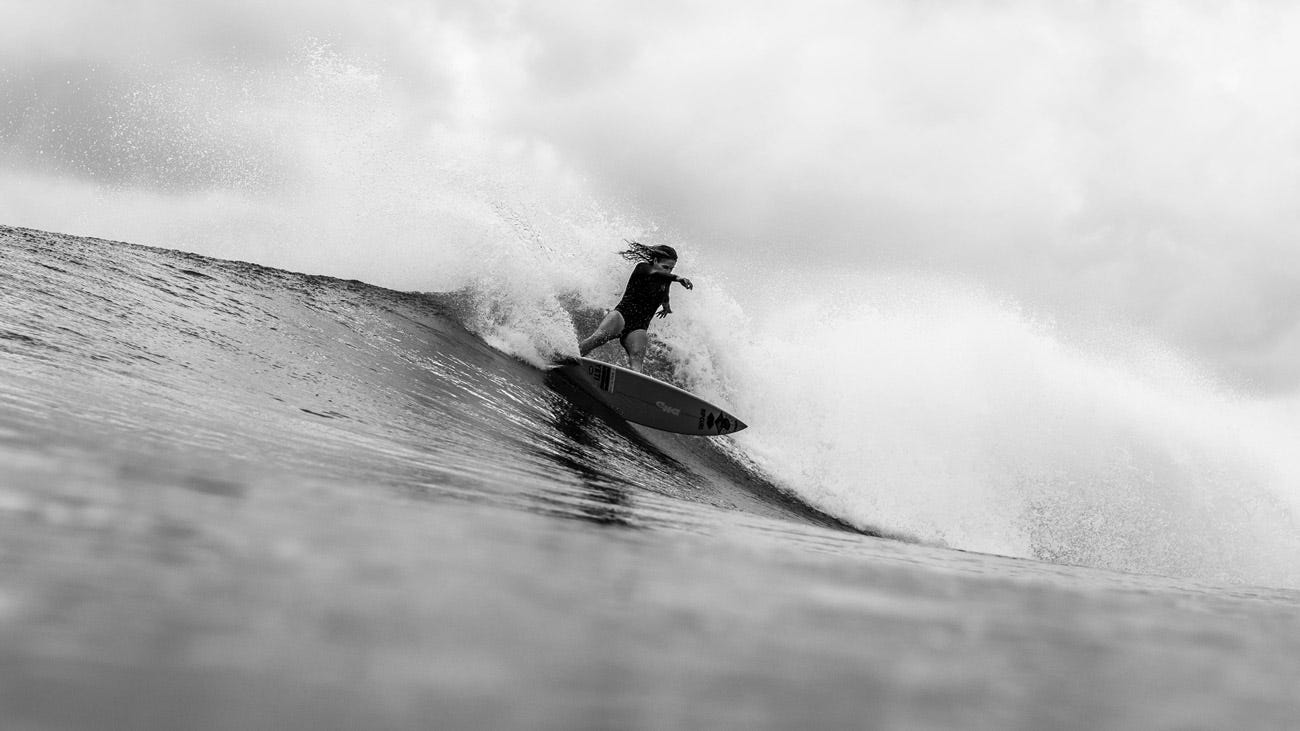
(602, 375)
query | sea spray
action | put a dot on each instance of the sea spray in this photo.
(928, 408)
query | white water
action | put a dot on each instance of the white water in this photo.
(922, 408)
(908, 404)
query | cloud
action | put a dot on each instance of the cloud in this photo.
(118, 129)
(192, 96)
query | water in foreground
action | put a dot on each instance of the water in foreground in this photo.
(234, 497)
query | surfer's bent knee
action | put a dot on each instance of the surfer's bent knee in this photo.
(637, 340)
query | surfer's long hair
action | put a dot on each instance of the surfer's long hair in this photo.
(637, 251)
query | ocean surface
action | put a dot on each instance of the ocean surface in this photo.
(236, 497)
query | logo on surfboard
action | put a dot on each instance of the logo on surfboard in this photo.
(719, 422)
(602, 374)
(642, 399)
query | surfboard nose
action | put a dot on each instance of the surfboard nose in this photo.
(724, 423)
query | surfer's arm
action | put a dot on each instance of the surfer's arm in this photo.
(666, 310)
(674, 278)
(680, 280)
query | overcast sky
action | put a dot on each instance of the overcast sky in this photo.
(1095, 161)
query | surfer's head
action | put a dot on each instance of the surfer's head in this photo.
(664, 252)
(661, 254)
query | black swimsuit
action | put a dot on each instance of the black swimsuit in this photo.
(641, 300)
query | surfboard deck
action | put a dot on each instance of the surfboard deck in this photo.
(647, 401)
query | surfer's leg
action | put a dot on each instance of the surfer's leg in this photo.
(609, 329)
(635, 344)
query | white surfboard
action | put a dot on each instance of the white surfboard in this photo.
(649, 402)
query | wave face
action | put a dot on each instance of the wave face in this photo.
(908, 409)
(128, 350)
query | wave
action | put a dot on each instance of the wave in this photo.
(113, 343)
(894, 406)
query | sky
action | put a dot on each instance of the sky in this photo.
(1101, 164)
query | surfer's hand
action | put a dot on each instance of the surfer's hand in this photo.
(664, 312)
(685, 282)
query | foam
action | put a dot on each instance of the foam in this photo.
(935, 411)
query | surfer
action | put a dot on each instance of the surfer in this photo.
(646, 293)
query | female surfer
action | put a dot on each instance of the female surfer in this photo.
(647, 290)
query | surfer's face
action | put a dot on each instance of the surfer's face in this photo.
(665, 265)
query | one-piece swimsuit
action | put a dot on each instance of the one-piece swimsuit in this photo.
(641, 300)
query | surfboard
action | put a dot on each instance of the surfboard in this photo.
(647, 401)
